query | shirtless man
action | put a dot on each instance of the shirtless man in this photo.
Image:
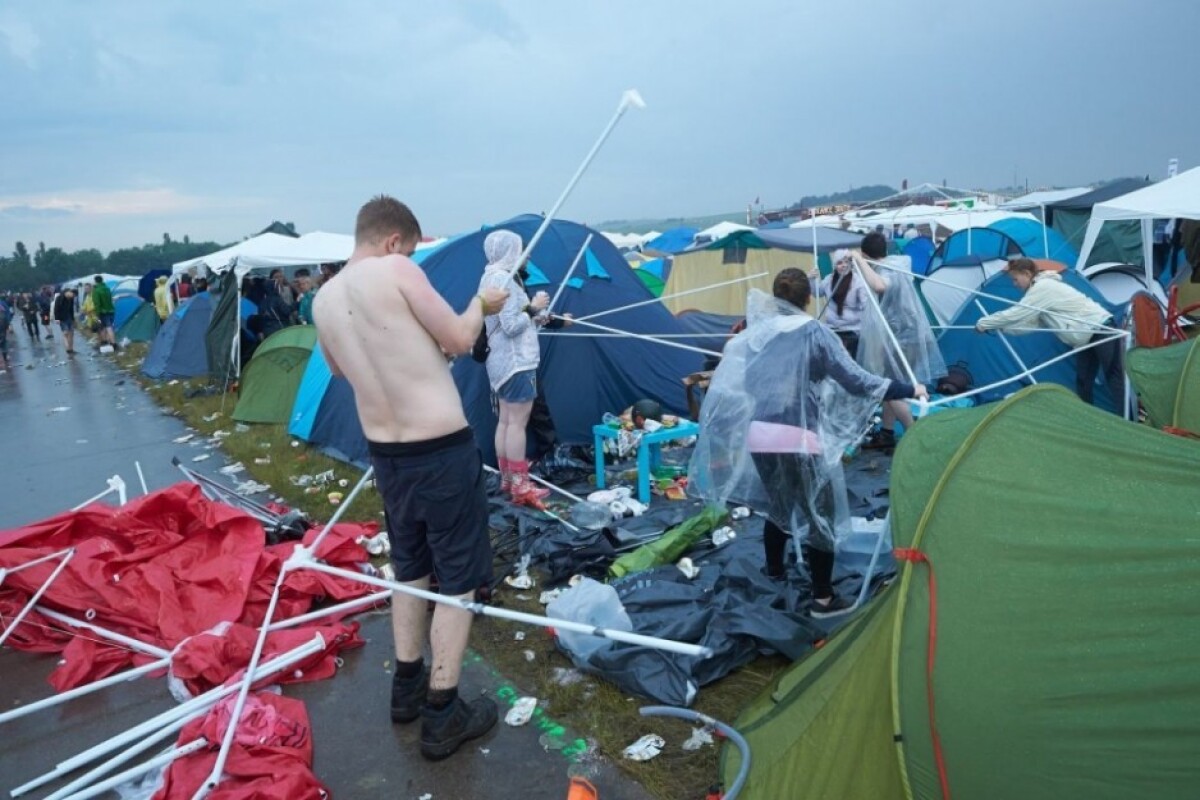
(385, 328)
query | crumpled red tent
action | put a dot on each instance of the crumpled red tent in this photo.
(163, 568)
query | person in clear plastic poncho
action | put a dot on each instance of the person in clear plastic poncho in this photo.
(904, 315)
(782, 407)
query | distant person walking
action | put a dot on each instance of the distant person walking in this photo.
(29, 313)
(64, 315)
(5, 325)
(106, 312)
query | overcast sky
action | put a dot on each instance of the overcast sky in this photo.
(123, 120)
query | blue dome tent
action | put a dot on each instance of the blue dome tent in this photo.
(583, 376)
(178, 349)
(919, 251)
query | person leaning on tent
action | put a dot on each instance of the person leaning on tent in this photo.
(512, 363)
(1073, 317)
(788, 399)
(161, 305)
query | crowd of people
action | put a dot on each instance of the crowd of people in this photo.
(40, 312)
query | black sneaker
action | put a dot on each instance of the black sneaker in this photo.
(883, 439)
(408, 696)
(443, 731)
(836, 607)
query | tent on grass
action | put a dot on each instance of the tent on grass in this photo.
(1121, 241)
(1167, 380)
(989, 360)
(124, 306)
(272, 377)
(178, 350)
(584, 375)
(1062, 543)
(141, 326)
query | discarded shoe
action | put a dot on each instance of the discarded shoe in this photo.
(442, 732)
(408, 696)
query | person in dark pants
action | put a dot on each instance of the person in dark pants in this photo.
(1073, 317)
(29, 313)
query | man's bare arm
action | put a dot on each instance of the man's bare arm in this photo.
(454, 333)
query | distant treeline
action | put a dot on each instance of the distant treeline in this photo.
(25, 270)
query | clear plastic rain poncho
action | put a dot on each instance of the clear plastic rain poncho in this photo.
(781, 409)
(512, 334)
(904, 314)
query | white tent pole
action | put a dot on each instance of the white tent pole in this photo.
(1026, 374)
(113, 636)
(1007, 344)
(977, 293)
(628, 99)
(158, 761)
(671, 296)
(33, 563)
(66, 559)
(908, 370)
(646, 338)
(570, 272)
(516, 616)
(651, 335)
(350, 606)
(80, 691)
(1148, 248)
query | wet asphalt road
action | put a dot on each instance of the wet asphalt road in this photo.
(66, 426)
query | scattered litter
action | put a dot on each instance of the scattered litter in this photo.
(606, 496)
(201, 457)
(549, 596)
(426, 796)
(343, 483)
(530, 655)
(219, 435)
(521, 580)
(521, 711)
(247, 488)
(524, 597)
(60, 409)
(295, 443)
(335, 498)
(387, 572)
(723, 535)
(519, 636)
(313, 490)
(484, 750)
(566, 676)
(644, 748)
(263, 460)
(699, 738)
(187, 437)
(377, 545)
(173, 383)
(241, 428)
(211, 416)
(688, 569)
(741, 512)
(233, 469)
(265, 445)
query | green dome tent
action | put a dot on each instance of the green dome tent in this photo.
(1167, 380)
(142, 325)
(272, 377)
(1063, 544)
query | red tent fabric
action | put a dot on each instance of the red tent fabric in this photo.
(160, 569)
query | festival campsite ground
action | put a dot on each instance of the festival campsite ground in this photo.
(594, 716)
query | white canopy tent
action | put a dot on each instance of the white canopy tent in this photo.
(1174, 198)
(222, 260)
(1041, 199)
(718, 232)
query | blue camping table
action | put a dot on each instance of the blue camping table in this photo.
(649, 453)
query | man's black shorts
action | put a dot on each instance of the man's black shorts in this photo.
(437, 510)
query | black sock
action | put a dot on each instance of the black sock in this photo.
(406, 670)
(441, 698)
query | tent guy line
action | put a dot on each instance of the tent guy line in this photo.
(671, 296)
(641, 336)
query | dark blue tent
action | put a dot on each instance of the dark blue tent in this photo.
(989, 360)
(583, 376)
(148, 282)
(672, 241)
(919, 251)
(178, 350)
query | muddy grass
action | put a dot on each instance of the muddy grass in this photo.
(592, 707)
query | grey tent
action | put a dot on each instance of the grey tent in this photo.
(222, 333)
(1119, 241)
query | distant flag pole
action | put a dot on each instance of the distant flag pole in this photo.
(629, 99)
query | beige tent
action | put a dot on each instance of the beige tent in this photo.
(738, 255)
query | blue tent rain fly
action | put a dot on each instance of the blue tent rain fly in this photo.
(178, 350)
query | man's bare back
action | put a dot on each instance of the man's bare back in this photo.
(384, 327)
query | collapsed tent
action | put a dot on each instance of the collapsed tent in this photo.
(584, 375)
(1063, 618)
(671, 241)
(1167, 380)
(272, 378)
(987, 356)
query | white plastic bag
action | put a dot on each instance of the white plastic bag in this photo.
(591, 603)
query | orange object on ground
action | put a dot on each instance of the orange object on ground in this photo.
(582, 789)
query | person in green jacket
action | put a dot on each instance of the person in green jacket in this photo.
(106, 312)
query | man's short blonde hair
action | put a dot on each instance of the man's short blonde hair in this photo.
(380, 217)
